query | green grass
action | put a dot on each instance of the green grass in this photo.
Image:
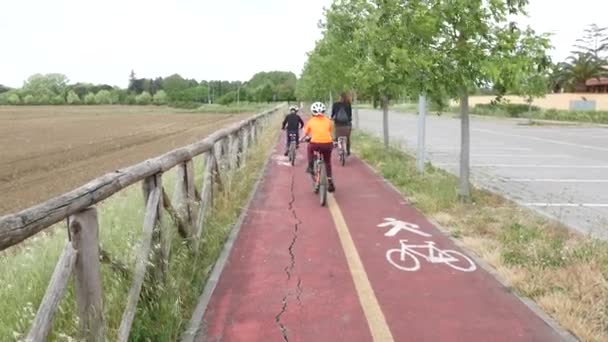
(26, 271)
(565, 273)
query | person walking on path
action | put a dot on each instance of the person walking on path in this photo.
(342, 115)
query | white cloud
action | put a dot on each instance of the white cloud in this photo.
(101, 41)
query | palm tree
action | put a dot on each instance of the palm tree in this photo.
(578, 68)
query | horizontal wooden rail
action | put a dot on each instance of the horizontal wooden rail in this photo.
(14, 228)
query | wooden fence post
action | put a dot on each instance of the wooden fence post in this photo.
(238, 147)
(253, 131)
(161, 240)
(190, 191)
(218, 157)
(52, 297)
(153, 196)
(206, 199)
(245, 142)
(232, 152)
(183, 197)
(84, 229)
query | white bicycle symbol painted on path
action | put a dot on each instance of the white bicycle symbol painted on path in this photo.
(405, 259)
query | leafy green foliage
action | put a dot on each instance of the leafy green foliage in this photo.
(160, 98)
(72, 98)
(4, 89)
(103, 97)
(13, 99)
(90, 99)
(143, 98)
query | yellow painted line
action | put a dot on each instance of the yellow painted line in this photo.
(371, 308)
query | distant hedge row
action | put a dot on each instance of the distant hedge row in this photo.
(514, 110)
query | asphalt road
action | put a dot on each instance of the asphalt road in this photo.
(560, 171)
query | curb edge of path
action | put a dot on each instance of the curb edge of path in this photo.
(196, 328)
(564, 333)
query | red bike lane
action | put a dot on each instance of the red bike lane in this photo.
(286, 277)
(431, 301)
(301, 272)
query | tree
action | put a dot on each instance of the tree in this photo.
(478, 45)
(57, 100)
(103, 97)
(90, 99)
(13, 98)
(594, 42)
(227, 98)
(73, 98)
(175, 84)
(43, 88)
(143, 98)
(577, 69)
(28, 99)
(160, 98)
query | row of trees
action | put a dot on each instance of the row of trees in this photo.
(55, 89)
(435, 48)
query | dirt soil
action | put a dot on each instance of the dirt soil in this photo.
(48, 150)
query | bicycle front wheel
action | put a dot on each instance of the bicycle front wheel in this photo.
(458, 261)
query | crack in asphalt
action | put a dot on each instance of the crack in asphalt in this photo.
(289, 269)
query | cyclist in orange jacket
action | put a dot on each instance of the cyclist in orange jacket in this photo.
(319, 129)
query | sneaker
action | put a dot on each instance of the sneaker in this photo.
(286, 153)
(330, 186)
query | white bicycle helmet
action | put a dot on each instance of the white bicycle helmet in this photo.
(317, 108)
(293, 109)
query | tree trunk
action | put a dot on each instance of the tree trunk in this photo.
(355, 109)
(385, 119)
(421, 132)
(464, 191)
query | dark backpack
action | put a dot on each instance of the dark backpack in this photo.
(342, 116)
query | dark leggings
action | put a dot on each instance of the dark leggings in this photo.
(325, 150)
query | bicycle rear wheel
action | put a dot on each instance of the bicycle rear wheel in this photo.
(342, 151)
(323, 186)
(292, 153)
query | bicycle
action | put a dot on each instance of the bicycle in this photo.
(291, 152)
(434, 256)
(342, 149)
(319, 177)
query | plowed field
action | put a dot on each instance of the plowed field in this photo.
(48, 150)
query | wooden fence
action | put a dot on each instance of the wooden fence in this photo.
(81, 255)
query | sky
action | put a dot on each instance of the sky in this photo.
(102, 41)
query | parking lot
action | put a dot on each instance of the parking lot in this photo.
(559, 170)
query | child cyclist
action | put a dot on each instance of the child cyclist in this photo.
(292, 124)
(319, 131)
